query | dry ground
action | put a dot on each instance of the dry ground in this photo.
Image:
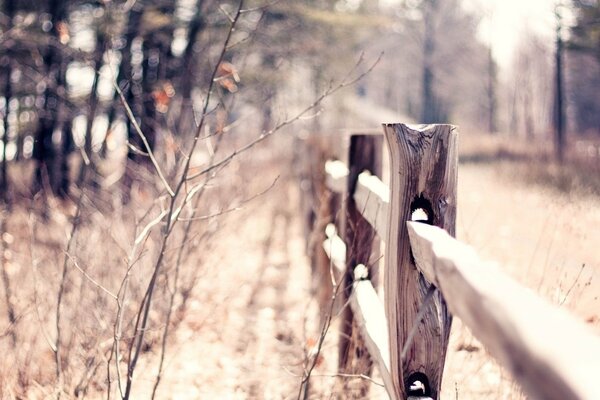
(243, 334)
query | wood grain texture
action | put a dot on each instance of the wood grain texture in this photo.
(423, 161)
(548, 352)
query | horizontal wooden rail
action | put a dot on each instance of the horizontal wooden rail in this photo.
(372, 196)
(549, 353)
(369, 314)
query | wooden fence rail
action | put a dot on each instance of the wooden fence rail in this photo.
(429, 274)
(548, 352)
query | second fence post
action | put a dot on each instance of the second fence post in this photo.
(364, 154)
(423, 178)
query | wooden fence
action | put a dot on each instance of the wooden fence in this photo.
(429, 276)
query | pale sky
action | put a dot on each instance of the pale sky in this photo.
(508, 21)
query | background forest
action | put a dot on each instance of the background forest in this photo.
(61, 62)
(133, 131)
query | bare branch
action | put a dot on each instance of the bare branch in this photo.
(138, 130)
(89, 278)
(61, 291)
(144, 233)
(231, 209)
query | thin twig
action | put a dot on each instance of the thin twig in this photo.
(61, 291)
(572, 285)
(307, 372)
(342, 375)
(132, 260)
(138, 130)
(10, 307)
(89, 278)
(231, 209)
(34, 265)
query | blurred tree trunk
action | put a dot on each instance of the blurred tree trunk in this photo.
(559, 112)
(101, 46)
(491, 92)
(60, 179)
(156, 68)
(169, 65)
(186, 83)
(270, 91)
(124, 75)
(67, 148)
(528, 113)
(9, 10)
(584, 63)
(44, 152)
(148, 122)
(428, 112)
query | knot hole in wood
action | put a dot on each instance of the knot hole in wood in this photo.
(417, 385)
(421, 210)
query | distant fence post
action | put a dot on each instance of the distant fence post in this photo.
(423, 163)
(319, 207)
(364, 154)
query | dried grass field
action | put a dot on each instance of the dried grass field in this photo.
(244, 320)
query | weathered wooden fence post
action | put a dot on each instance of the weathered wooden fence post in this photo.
(364, 154)
(320, 208)
(423, 175)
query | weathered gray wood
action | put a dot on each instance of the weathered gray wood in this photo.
(336, 175)
(550, 353)
(364, 154)
(423, 162)
(369, 315)
(372, 198)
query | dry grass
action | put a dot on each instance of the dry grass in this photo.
(36, 247)
(534, 162)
